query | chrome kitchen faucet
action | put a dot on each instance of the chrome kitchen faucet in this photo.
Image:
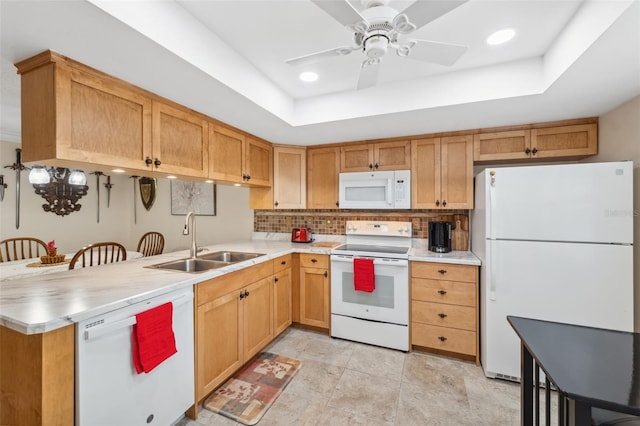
(193, 252)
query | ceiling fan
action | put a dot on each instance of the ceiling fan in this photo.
(379, 28)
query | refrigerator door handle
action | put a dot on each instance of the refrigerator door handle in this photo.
(491, 270)
(492, 205)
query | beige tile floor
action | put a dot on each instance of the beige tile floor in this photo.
(347, 383)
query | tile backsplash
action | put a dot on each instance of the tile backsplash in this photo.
(333, 222)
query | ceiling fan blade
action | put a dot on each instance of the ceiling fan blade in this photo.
(368, 74)
(422, 12)
(437, 53)
(318, 56)
(340, 10)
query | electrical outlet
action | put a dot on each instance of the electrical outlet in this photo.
(287, 221)
(415, 224)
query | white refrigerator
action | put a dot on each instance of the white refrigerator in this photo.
(556, 243)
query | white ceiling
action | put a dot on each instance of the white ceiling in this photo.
(569, 59)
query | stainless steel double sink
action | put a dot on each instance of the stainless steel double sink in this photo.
(206, 261)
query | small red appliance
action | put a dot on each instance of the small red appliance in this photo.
(300, 235)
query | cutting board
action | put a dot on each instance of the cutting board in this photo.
(329, 244)
(460, 232)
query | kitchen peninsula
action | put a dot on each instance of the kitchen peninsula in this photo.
(37, 317)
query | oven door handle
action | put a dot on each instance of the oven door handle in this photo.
(348, 258)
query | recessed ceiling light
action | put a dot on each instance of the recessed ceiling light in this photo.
(308, 76)
(501, 36)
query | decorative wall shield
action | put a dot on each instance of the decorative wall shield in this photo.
(148, 191)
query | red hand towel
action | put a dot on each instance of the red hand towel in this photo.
(363, 275)
(152, 338)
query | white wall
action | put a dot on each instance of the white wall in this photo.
(619, 139)
(234, 219)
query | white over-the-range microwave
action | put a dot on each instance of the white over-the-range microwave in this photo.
(375, 190)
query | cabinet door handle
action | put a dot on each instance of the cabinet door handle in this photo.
(275, 279)
(276, 204)
(241, 295)
(534, 151)
(437, 203)
(337, 203)
(370, 166)
(375, 166)
(157, 162)
(314, 260)
(442, 315)
(444, 203)
(442, 271)
(527, 151)
(326, 274)
(442, 338)
(148, 161)
(246, 293)
(248, 177)
(442, 292)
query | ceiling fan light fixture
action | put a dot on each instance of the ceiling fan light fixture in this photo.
(376, 46)
(308, 76)
(501, 36)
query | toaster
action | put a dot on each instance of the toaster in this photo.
(301, 235)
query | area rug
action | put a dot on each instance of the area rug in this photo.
(247, 395)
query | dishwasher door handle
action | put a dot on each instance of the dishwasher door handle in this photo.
(100, 330)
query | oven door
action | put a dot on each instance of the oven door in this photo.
(389, 302)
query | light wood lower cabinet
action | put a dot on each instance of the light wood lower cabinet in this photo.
(314, 290)
(234, 321)
(282, 313)
(444, 308)
(37, 377)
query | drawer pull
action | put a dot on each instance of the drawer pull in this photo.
(442, 315)
(442, 338)
(284, 262)
(314, 260)
(442, 271)
(442, 292)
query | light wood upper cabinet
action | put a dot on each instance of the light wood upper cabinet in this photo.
(237, 158)
(510, 145)
(323, 168)
(258, 162)
(180, 141)
(289, 177)
(376, 156)
(70, 116)
(564, 141)
(442, 173)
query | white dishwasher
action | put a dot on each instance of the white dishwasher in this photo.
(109, 391)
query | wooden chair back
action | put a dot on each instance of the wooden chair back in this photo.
(151, 243)
(98, 254)
(21, 248)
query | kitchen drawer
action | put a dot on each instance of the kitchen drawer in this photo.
(443, 338)
(281, 263)
(461, 317)
(444, 271)
(211, 289)
(314, 261)
(450, 292)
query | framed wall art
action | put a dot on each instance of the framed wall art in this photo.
(197, 197)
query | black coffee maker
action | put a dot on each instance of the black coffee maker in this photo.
(440, 237)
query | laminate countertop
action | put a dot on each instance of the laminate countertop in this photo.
(42, 303)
